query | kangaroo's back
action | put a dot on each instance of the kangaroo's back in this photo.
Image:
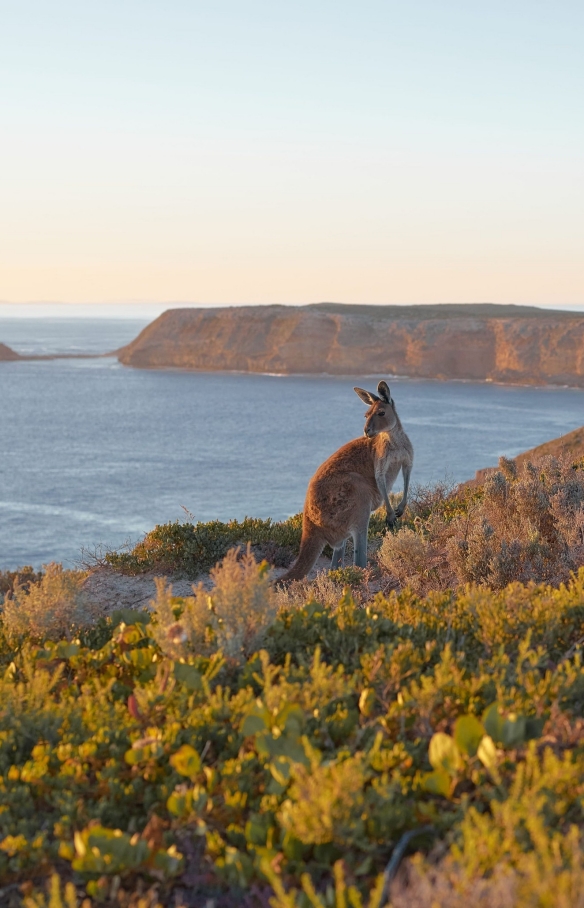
(340, 488)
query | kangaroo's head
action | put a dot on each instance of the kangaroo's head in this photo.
(381, 415)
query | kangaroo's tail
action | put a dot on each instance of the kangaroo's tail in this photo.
(311, 545)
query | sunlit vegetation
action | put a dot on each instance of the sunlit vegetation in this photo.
(220, 746)
(523, 524)
(252, 745)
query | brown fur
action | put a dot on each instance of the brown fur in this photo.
(352, 483)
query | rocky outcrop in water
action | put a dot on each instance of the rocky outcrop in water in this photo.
(7, 354)
(483, 342)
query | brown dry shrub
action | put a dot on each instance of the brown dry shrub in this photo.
(54, 608)
(22, 576)
(531, 886)
(526, 525)
(232, 617)
(493, 869)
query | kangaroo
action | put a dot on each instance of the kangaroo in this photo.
(352, 483)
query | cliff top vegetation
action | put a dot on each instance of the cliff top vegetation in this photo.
(225, 746)
(259, 747)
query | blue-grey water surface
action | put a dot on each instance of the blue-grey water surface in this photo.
(93, 453)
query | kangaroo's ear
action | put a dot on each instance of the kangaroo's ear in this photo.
(366, 396)
(384, 392)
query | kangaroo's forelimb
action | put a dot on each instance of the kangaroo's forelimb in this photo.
(406, 471)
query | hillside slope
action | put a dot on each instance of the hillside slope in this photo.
(571, 444)
(477, 342)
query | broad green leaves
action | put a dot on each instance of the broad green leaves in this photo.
(183, 803)
(444, 753)
(277, 734)
(100, 851)
(186, 761)
(450, 756)
(446, 759)
(487, 753)
(188, 675)
(510, 729)
(468, 733)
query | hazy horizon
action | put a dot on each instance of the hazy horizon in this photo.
(381, 153)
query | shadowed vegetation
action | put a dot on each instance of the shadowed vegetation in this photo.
(192, 549)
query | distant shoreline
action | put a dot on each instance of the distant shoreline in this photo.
(348, 375)
(8, 355)
(484, 343)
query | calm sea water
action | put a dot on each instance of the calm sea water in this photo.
(93, 453)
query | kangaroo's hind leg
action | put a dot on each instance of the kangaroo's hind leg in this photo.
(360, 543)
(338, 558)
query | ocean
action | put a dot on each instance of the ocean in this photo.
(94, 454)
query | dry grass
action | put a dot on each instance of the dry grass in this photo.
(53, 608)
(527, 525)
(323, 589)
(328, 588)
(550, 876)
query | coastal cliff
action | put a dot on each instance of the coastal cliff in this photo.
(481, 342)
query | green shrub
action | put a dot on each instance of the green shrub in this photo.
(192, 549)
(223, 747)
(21, 577)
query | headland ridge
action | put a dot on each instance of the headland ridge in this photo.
(476, 342)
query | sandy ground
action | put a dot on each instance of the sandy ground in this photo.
(112, 590)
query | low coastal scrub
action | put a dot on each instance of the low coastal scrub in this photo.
(192, 549)
(228, 747)
(523, 524)
(51, 608)
(22, 577)
(252, 745)
(233, 619)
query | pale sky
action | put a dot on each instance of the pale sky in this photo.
(238, 151)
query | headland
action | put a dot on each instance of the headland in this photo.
(475, 342)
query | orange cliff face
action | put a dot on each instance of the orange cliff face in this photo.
(478, 342)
